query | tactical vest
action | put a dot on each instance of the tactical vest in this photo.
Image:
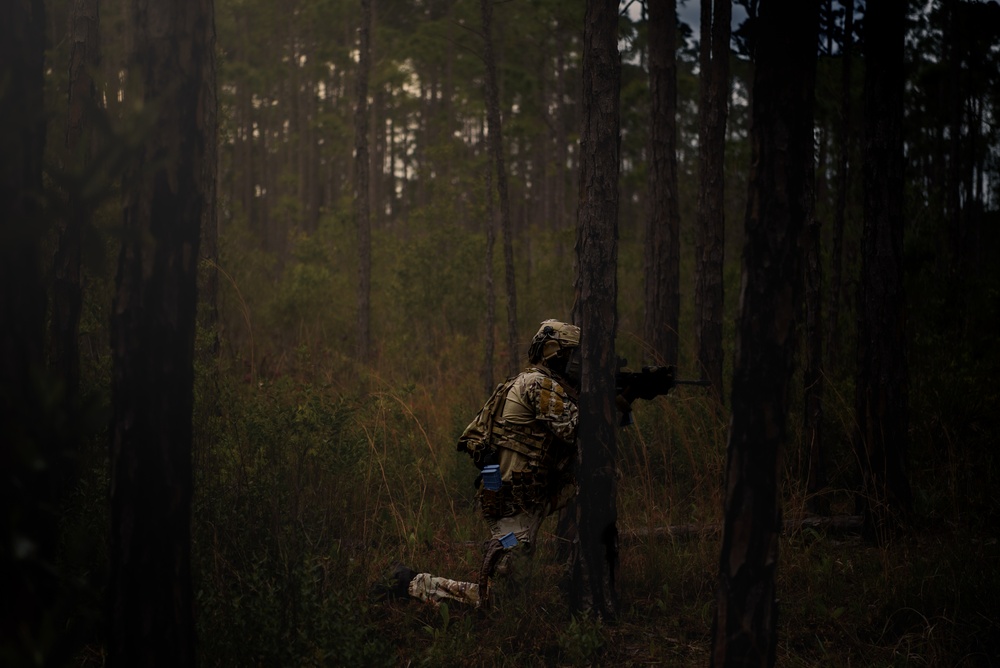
(489, 432)
(479, 438)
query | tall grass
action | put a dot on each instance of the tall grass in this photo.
(307, 496)
(314, 476)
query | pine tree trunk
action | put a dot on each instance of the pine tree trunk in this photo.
(882, 402)
(596, 312)
(495, 129)
(22, 298)
(24, 617)
(209, 286)
(812, 373)
(151, 616)
(745, 627)
(662, 249)
(710, 231)
(362, 217)
(489, 341)
(67, 294)
(844, 141)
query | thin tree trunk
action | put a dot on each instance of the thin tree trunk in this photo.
(362, 216)
(882, 402)
(22, 298)
(209, 288)
(494, 127)
(596, 288)
(813, 373)
(745, 627)
(378, 190)
(561, 221)
(844, 140)
(955, 99)
(150, 598)
(489, 341)
(67, 294)
(710, 232)
(662, 249)
(247, 140)
(23, 605)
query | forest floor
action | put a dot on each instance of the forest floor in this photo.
(928, 599)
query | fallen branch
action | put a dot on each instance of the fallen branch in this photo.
(839, 523)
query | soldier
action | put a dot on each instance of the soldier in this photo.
(523, 441)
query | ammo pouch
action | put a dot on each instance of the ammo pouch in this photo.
(527, 488)
(495, 503)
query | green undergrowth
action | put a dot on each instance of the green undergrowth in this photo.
(306, 497)
(314, 475)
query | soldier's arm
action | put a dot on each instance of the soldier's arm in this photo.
(555, 407)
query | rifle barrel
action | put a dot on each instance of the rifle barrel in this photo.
(700, 383)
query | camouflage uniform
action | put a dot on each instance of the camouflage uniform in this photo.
(535, 442)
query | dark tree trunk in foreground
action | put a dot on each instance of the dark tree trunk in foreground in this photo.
(662, 249)
(150, 614)
(362, 215)
(710, 232)
(844, 141)
(596, 313)
(745, 628)
(882, 402)
(814, 468)
(64, 351)
(495, 131)
(22, 297)
(23, 582)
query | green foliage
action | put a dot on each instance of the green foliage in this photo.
(434, 287)
(450, 639)
(273, 564)
(582, 641)
(306, 613)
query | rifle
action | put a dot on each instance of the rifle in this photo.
(651, 382)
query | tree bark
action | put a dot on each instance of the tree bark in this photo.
(716, 16)
(596, 311)
(813, 372)
(844, 141)
(882, 401)
(745, 627)
(495, 130)
(150, 616)
(23, 605)
(67, 297)
(209, 288)
(362, 216)
(22, 298)
(489, 341)
(662, 249)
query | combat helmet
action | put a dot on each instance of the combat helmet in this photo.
(552, 337)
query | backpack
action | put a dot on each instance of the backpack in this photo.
(477, 439)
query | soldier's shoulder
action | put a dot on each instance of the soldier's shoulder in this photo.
(538, 378)
(533, 375)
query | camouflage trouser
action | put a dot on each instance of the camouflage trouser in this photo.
(433, 589)
(524, 526)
